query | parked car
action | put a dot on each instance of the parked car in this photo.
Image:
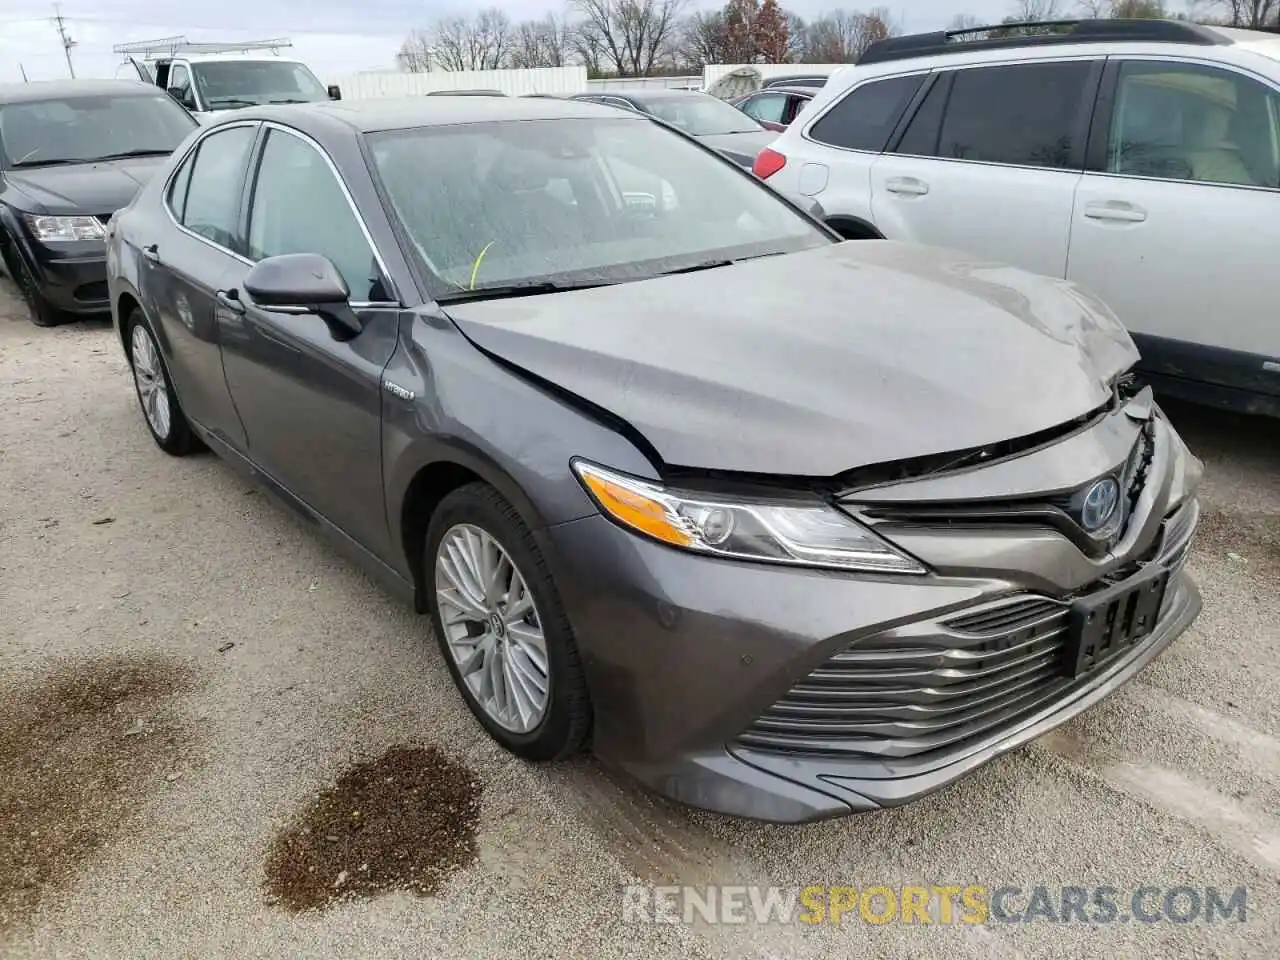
(1140, 159)
(797, 80)
(775, 108)
(711, 120)
(211, 78)
(783, 526)
(72, 152)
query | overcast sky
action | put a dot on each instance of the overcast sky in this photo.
(334, 36)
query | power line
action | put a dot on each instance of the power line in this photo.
(67, 42)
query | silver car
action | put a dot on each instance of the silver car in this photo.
(784, 527)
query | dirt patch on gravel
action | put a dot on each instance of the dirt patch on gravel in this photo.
(404, 821)
(78, 750)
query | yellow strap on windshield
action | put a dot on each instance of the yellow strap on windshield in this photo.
(475, 267)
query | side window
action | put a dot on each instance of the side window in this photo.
(213, 195)
(177, 195)
(1024, 114)
(865, 118)
(180, 85)
(1190, 122)
(921, 136)
(299, 207)
(769, 107)
(795, 107)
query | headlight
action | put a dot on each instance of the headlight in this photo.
(48, 229)
(806, 534)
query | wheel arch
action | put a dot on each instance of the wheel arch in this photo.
(854, 228)
(427, 475)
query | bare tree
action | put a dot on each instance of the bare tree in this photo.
(415, 52)
(797, 37)
(482, 42)
(964, 21)
(1035, 11)
(540, 43)
(1250, 13)
(630, 35)
(703, 39)
(843, 36)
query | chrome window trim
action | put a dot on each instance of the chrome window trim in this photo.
(351, 204)
(222, 127)
(168, 186)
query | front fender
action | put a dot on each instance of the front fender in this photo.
(470, 411)
(18, 242)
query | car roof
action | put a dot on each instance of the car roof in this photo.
(649, 96)
(38, 90)
(786, 88)
(229, 58)
(401, 113)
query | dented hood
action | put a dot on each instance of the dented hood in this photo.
(814, 363)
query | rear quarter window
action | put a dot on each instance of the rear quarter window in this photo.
(865, 118)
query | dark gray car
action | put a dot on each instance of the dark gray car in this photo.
(713, 121)
(782, 526)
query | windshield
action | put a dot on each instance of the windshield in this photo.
(488, 205)
(79, 129)
(228, 84)
(702, 116)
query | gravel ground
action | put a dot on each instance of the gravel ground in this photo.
(280, 677)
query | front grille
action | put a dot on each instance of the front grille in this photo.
(923, 686)
(934, 684)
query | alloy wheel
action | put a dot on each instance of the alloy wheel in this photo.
(148, 374)
(492, 628)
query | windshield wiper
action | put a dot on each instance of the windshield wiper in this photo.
(712, 264)
(59, 161)
(124, 154)
(289, 100)
(521, 290)
(232, 102)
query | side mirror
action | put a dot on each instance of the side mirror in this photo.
(335, 92)
(300, 283)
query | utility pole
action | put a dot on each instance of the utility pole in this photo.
(67, 42)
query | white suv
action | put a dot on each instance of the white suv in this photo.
(1139, 159)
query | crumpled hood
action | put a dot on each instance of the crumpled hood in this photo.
(814, 363)
(85, 188)
(741, 148)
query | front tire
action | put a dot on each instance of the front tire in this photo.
(160, 408)
(502, 628)
(39, 310)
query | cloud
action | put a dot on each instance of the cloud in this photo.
(334, 36)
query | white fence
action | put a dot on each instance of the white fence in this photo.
(514, 83)
(555, 80)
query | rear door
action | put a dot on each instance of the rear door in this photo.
(990, 161)
(185, 265)
(311, 402)
(144, 73)
(1177, 221)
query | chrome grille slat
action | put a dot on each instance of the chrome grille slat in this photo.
(926, 658)
(946, 683)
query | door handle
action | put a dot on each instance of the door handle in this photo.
(1119, 211)
(152, 252)
(906, 186)
(230, 300)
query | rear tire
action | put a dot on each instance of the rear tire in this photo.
(161, 411)
(504, 645)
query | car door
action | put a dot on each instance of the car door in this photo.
(184, 266)
(180, 87)
(1177, 221)
(990, 161)
(311, 401)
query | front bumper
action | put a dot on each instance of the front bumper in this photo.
(707, 675)
(72, 277)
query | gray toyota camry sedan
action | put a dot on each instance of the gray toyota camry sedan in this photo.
(783, 527)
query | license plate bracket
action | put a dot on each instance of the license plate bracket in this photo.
(1105, 624)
